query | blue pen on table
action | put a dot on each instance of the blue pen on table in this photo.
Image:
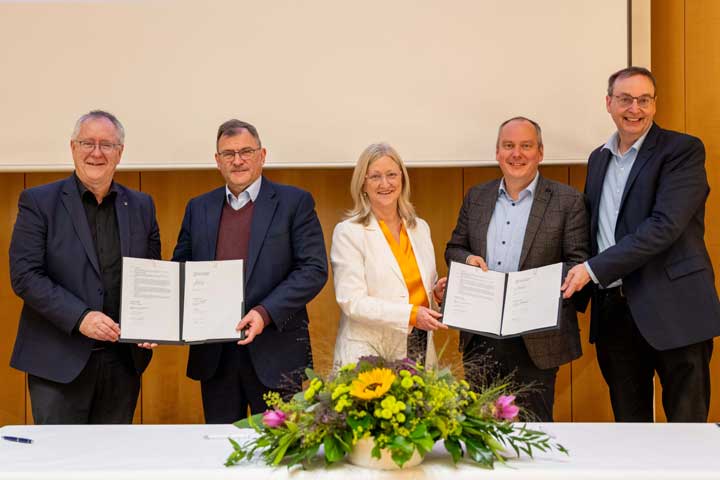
(17, 439)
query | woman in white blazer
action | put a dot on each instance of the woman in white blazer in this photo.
(383, 265)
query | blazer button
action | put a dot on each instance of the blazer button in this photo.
(100, 291)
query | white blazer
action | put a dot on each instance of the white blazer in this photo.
(371, 291)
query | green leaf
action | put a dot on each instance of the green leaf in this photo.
(310, 374)
(279, 452)
(364, 422)
(493, 444)
(311, 452)
(401, 450)
(333, 451)
(441, 425)
(422, 439)
(375, 453)
(453, 446)
(401, 443)
(400, 457)
(237, 455)
(420, 431)
(347, 438)
(250, 422)
(479, 452)
(344, 445)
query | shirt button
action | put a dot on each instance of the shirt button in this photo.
(503, 242)
(513, 204)
(508, 222)
(499, 263)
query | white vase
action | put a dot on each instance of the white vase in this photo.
(361, 455)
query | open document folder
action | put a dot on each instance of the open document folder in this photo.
(498, 304)
(176, 303)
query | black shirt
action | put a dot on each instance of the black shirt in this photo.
(106, 238)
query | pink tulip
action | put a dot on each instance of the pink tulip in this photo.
(505, 409)
(273, 418)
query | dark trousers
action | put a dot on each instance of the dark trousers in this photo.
(106, 391)
(235, 387)
(628, 364)
(486, 359)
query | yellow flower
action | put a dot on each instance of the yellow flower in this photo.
(372, 384)
(342, 403)
(309, 394)
(388, 402)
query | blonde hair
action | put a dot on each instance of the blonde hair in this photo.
(361, 210)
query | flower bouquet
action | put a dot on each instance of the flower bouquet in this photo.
(398, 404)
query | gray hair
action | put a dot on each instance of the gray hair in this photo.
(538, 130)
(627, 73)
(93, 114)
(235, 127)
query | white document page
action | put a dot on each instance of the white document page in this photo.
(532, 299)
(150, 303)
(213, 300)
(474, 299)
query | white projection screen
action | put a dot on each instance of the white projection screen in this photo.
(321, 79)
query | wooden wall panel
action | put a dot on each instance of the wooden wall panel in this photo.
(668, 61)
(12, 393)
(702, 75)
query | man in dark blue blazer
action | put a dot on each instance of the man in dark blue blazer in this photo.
(655, 307)
(65, 263)
(275, 230)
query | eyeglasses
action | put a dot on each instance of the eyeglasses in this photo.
(244, 154)
(104, 147)
(643, 101)
(392, 177)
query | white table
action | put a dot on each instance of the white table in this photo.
(597, 451)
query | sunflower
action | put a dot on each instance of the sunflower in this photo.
(372, 384)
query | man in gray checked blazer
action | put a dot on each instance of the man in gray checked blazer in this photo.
(519, 222)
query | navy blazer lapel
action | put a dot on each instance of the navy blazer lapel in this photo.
(263, 212)
(123, 222)
(643, 156)
(541, 199)
(73, 204)
(213, 212)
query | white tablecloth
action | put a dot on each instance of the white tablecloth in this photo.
(597, 451)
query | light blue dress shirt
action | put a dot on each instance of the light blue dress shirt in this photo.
(506, 231)
(250, 193)
(616, 177)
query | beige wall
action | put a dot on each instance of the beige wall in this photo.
(321, 79)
